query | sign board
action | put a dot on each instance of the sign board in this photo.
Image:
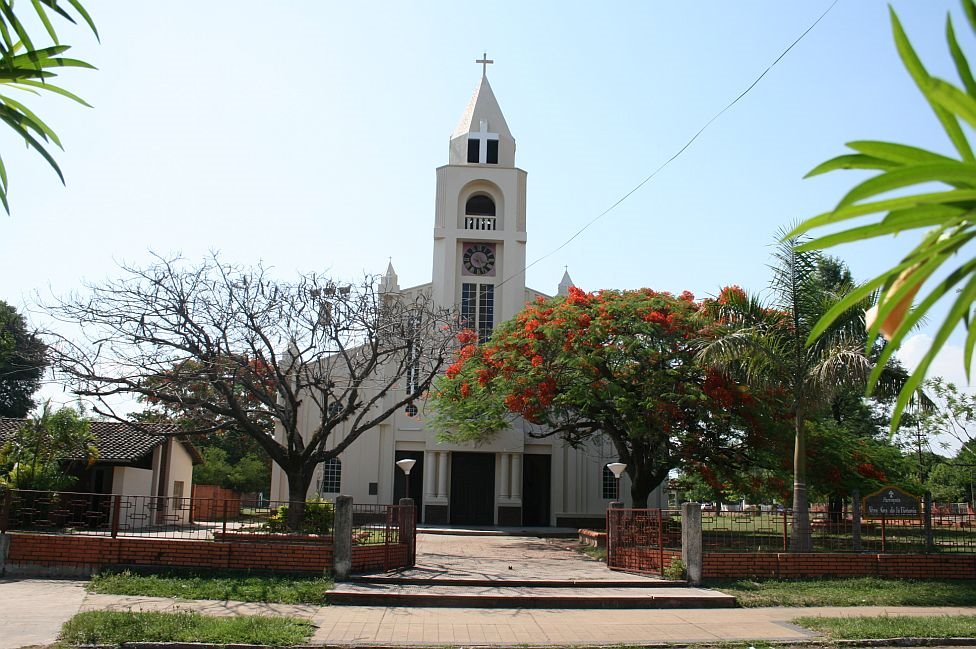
(890, 502)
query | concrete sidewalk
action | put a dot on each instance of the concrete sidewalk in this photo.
(32, 611)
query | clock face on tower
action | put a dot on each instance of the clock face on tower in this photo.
(478, 259)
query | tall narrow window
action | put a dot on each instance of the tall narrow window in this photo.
(492, 157)
(610, 485)
(486, 311)
(478, 308)
(413, 354)
(469, 305)
(331, 476)
(474, 149)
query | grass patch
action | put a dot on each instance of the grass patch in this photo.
(895, 626)
(860, 591)
(242, 588)
(600, 554)
(108, 627)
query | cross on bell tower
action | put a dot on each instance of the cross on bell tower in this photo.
(485, 62)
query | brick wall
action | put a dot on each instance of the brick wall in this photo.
(95, 552)
(367, 558)
(644, 561)
(790, 565)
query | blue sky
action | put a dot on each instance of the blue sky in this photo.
(306, 134)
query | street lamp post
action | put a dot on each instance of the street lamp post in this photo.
(617, 468)
(406, 466)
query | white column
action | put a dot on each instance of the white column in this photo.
(516, 476)
(442, 474)
(506, 460)
(430, 474)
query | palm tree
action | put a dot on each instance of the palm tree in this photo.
(764, 343)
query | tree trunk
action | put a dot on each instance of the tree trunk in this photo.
(641, 486)
(800, 537)
(298, 482)
(835, 512)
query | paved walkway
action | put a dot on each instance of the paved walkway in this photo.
(368, 625)
(501, 558)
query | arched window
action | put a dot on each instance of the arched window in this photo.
(331, 476)
(479, 213)
(480, 205)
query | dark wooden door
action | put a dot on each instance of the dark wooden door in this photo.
(472, 489)
(536, 489)
(415, 489)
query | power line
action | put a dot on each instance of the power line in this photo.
(679, 151)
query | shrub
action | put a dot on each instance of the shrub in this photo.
(675, 570)
(319, 515)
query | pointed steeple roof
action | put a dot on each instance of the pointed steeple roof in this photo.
(565, 283)
(483, 106)
(390, 282)
(483, 118)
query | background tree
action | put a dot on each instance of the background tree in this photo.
(613, 363)
(27, 65)
(954, 480)
(235, 344)
(44, 450)
(952, 417)
(22, 363)
(232, 458)
(947, 213)
(765, 344)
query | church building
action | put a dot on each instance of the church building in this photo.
(479, 255)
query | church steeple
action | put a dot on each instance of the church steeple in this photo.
(566, 283)
(482, 135)
(390, 282)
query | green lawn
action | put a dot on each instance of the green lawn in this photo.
(886, 627)
(242, 588)
(108, 627)
(862, 591)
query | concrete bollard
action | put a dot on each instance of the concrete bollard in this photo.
(691, 542)
(342, 538)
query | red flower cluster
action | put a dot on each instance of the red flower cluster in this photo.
(731, 294)
(868, 470)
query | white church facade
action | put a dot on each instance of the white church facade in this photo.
(479, 254)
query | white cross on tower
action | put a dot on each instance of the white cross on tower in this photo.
(484, 61)
(483, 136)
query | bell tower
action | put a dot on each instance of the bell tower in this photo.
(479, 218)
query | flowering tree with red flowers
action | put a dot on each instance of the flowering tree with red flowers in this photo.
(614, 363)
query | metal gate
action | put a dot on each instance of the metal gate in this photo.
(643, 540)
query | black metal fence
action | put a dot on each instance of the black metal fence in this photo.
(187, 518)
(937, 530)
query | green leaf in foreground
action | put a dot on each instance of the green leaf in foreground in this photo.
(241, 588)
(886, 627)
(111, 627)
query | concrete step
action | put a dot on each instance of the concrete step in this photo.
(508, 596)
(394, 580)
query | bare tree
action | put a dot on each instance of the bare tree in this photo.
(230, 347)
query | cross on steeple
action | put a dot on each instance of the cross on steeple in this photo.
(484, 61)
(483, 137)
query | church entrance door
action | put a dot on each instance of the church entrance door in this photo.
(536, 489)
(472, 488)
